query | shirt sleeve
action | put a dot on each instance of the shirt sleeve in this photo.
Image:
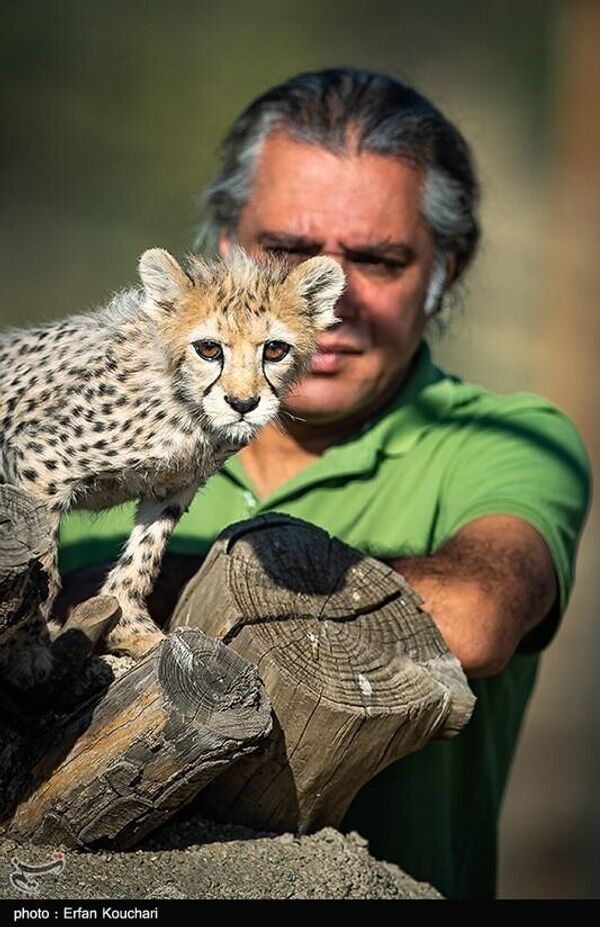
(525, 459)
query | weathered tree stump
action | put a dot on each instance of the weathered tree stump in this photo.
(83, 762)
(122, 765)
(357, 673)
(25, 538)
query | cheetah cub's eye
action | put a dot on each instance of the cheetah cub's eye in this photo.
(274, 351)
(208, 350)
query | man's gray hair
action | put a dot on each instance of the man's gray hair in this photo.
(346, 109)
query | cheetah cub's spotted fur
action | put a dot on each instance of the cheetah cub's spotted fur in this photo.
(144, 399)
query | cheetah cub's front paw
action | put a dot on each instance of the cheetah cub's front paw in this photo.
(26, 667)
(127, 642)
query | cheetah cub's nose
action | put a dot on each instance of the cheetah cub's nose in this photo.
(243, 405)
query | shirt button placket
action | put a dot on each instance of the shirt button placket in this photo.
(250, 500)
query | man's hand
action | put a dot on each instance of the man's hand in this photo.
(485, 589)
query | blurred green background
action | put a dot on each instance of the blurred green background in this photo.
(111, 115)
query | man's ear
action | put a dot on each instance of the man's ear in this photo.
(442, 275)
(451, 267)
(163, 279)
(224, 242)
(320, 281)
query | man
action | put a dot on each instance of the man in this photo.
(476, 499)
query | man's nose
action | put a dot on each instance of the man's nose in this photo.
(347, 307)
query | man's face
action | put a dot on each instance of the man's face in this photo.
(364, 210)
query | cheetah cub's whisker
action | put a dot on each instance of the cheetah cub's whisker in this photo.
(145, 399)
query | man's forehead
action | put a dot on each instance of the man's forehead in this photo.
(282, 158)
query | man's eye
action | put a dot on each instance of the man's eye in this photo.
(274, 351)
(292, 255)
(208, 350)
(379, 267)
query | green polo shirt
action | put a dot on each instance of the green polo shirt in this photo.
(442, 454)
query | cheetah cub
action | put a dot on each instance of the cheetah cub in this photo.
(145, 399)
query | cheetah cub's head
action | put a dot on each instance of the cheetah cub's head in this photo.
(237, 332)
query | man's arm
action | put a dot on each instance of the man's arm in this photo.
(485, 589)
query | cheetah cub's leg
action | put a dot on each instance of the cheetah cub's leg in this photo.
(25, 659)
(134, 575)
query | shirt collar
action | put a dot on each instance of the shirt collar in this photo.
(422, 403)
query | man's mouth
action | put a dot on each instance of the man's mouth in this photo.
(330, 357)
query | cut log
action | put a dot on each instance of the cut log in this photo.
(85, 626)
(123, 765)
(25, 538)
(357, 673)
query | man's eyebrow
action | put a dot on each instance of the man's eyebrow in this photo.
(286, 240)
(381, 249)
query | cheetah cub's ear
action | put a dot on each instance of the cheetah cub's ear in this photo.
(320, 281)
(164, 280)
